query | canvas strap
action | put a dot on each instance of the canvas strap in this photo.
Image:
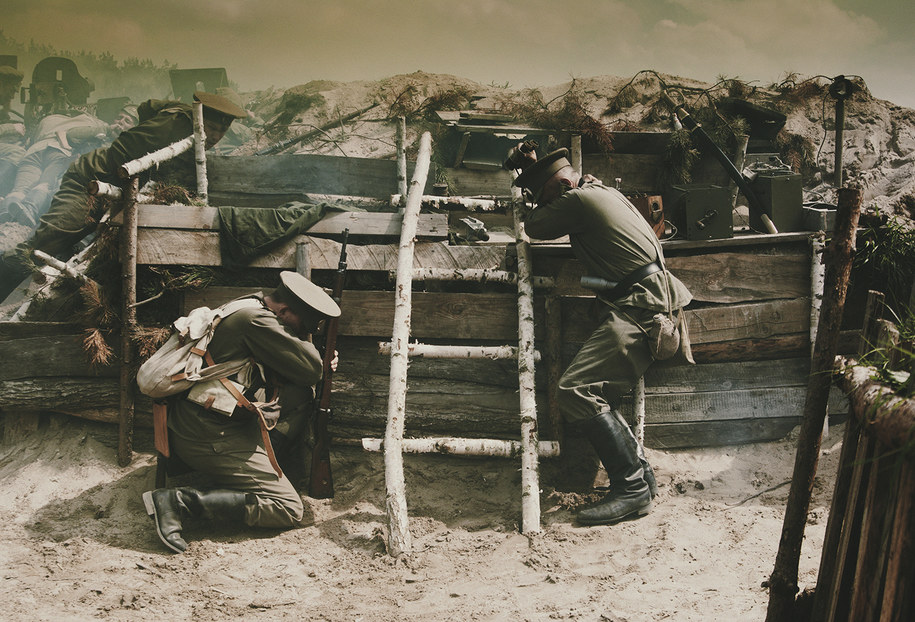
(245, 403)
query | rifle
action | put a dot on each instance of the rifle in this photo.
(321, 485)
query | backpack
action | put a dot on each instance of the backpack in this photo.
(178, 364)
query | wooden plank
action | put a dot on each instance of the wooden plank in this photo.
(433, 226)
(298, 173)
(730, 405)
(742, 277)
(718, 433)
(711, 324)
(724, 277)
(442, 315)
(56, 355)
(201, 248)
(663, 377)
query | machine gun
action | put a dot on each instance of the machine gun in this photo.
(706, 143)
(321, 484)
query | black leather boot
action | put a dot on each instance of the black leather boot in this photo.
(629, 496)
(169, 507)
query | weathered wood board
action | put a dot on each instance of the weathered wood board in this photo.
(205, 218)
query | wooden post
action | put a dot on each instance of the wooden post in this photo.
(302, 264)
(638, 405)
(739, 158)
(200, 152)
(783, 581)
(530, 477)
(399, 539)
(402, 159)
(576, 153)
(873, 313)
(128, 321)
(553, 311)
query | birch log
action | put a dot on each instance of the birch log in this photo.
(464, 447)
(101, 188)
(530, 477)
(399, 540)
(128, 322)
(135, 167)
(200, 152)
(468, 203)
(433, 351)
(480, 275)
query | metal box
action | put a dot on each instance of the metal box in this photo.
(702, 212)
(781, 196)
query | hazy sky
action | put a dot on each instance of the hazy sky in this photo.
(519, 42)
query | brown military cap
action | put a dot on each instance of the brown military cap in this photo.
(220, 104)
(10, 74)
(308, 293)
(537, 174)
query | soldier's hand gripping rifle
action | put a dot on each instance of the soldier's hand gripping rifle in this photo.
(321, 484)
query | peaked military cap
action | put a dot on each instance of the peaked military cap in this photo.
(10, 74)
(308, 293)
(220, 104)
(537, 174)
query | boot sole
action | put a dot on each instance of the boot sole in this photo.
(151, 511)
(635, 514)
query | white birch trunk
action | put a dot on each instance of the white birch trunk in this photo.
(101, 188)
(464, 447)
(530, 477)
(399, 539)
(431, 351)
(431, 200)
(135, 167)
(639, 407)
(200, 152)
(482, 275)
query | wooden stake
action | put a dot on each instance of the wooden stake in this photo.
(128, 321)
(783, 581)
(399, 539)
(401, 159)
(530, 477)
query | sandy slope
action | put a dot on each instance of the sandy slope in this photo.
(77, 545)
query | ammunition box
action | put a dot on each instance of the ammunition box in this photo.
(701, 212)
(781, 196)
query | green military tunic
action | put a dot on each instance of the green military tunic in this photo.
(612, 240)
(68, 219)
(230, 449)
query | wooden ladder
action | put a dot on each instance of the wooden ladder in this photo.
(399, 349)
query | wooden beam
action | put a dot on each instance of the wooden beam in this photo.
(201, 248)
(194, 217)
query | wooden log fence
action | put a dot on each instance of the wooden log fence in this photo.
(783, 586)
(866, 574)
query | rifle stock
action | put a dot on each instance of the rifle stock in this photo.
(321, 480)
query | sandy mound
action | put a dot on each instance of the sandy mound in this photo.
(76, 543)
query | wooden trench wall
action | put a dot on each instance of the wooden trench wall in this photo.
(749, 322)
(865, 571)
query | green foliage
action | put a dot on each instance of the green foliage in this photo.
(679, 158)
(887, 255)
(567, 112)
(797, 152)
